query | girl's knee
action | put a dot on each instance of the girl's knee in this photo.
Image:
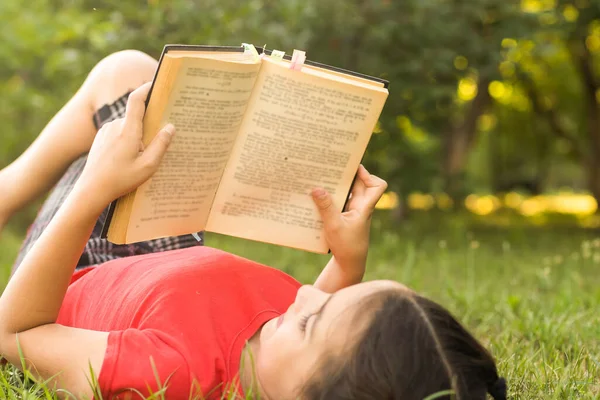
(118, 74)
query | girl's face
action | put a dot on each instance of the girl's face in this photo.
(290, 347)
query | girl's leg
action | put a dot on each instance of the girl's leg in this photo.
(71, 132)
(101, 99)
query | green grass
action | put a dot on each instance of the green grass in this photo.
(530, 293)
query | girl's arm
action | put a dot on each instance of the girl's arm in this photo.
(347, 233)
(32, 300)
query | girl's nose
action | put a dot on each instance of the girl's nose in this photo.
(307, 294)
(303, 294)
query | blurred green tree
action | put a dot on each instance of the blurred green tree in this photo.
(514, 80)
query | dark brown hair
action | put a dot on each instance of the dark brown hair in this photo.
(411, 348)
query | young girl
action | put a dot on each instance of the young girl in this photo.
(200, 322)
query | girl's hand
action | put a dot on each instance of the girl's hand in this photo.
(347, 233)
(118, 162)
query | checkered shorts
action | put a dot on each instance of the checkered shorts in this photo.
(97, 250)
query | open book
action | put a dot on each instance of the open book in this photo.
(255, 134)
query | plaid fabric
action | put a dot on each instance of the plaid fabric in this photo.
(97, 250)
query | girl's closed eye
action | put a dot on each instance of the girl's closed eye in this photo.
(304, 322)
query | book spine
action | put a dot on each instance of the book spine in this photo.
(109, 215)
(113, 205)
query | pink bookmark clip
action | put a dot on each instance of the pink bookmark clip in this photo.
(298, 58)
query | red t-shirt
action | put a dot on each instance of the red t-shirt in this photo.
(189, 312)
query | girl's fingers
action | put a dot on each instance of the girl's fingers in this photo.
(363, 174)
(367, 190)
(370, 180)
(375, 192)
(324, 202)
(359, 187)
(136, 107)
(154, 153)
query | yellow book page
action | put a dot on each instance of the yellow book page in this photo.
(301, 130)
(206, 106)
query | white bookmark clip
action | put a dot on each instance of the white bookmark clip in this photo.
(277, 55)
(298, 58)
(197, 237)
(250, 49)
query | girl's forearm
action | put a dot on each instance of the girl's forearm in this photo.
(35, 293)
(336, 276)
